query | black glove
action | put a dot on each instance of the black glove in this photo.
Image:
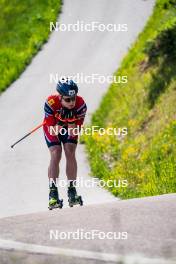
(67, 113)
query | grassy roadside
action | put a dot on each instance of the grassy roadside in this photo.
(146, 157)
(24, 27)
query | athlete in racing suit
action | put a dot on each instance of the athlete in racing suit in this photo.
(66, 111)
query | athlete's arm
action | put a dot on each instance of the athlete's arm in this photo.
(80, 116)
(49, 114)
(81, 113)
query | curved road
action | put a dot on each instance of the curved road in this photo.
(149, 222)
(23, 170)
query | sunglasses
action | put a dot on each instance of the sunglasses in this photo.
(70, 99)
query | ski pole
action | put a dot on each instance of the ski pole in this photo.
(36, 128)
(28, 134)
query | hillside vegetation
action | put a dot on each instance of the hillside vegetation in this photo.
(146, 157)
(24, 27)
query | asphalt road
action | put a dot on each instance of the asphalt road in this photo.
(148, 222)
(23, 170)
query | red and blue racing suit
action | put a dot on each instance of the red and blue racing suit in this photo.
(52, 109)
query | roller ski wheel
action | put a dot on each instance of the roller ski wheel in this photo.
(55, 205)
(73, 198)
(54, 201)
(77, 200)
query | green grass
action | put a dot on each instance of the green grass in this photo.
(24, 27)
(146, 157)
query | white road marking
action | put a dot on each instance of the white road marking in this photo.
(85, 254)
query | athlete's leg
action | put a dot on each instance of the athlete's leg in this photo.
(71, 171)
(53, 170)
(71, 163)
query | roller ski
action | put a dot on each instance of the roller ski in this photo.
(73, 198)
(54, 201)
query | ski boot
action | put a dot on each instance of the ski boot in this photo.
(73, 198)
(54, 201)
